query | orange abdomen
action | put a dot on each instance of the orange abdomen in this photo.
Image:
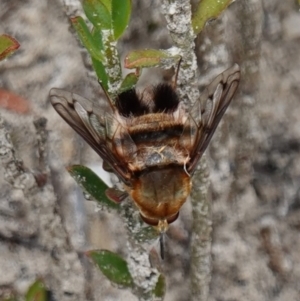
(160, 193)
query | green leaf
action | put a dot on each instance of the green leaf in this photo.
(8, 46)
(98, 65)
(160, 287)
(206, 10)
(97, 38)
(98, 13)
(37, 292)
(120, 14)
(112, 266)
(101, 73)
(93, 45)
(129, 82)
(92, 184)
(149, 58)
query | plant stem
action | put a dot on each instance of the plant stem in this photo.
(178, 16)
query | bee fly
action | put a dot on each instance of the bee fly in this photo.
(149, 140)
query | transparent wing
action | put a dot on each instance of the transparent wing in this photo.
(86, 119)
(206, 114)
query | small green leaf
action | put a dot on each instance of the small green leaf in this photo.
(101, 73)
(129, 82)
(120, 14)
(37, 292)
(98, 65)
(8, 46)
(92, 184)
(148, 58)
(92, 45)
(98, 13)
(112, 266)
(206, 10)
(160, 287)
(97, 38)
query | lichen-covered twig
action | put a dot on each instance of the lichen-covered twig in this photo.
(178, 16)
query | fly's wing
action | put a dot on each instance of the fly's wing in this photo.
(86, 119)
(206, 114)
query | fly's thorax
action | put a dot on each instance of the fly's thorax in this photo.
(160, 193)
(153, 140)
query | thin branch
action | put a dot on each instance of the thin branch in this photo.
(178, 16)
(201, 234)
(145, 275)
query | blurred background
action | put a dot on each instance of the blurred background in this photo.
(254, 157)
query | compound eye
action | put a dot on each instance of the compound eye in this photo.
(155, 221)
(149, 221)
(172, 218)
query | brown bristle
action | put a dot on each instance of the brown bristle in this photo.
(165, 99)
(128, 104)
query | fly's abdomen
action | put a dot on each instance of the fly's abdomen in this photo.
(159, 194)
